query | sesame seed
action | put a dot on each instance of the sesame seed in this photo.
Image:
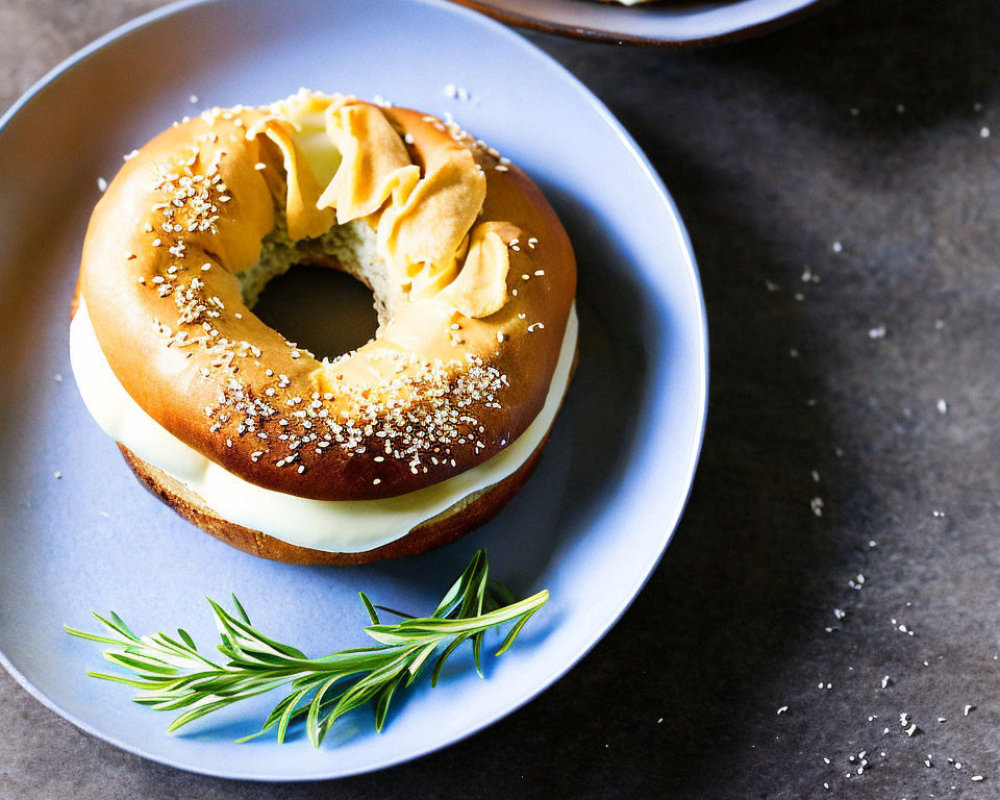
(193, 99)
(260, 165)
(376, 481)
(102, 184)
(57, 474)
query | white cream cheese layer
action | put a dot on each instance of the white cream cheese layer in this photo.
(345, 526)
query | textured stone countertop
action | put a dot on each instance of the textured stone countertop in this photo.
(838, 564)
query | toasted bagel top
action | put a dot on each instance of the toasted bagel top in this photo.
(473, 275)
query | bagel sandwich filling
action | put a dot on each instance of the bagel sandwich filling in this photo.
(473, 280)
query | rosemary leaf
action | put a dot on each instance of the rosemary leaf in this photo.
(170, 673)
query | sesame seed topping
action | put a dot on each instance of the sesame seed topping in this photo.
(418, 417)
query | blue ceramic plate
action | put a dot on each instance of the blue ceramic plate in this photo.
(670, 23)
(590, 525)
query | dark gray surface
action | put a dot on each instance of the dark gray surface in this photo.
(862, 126)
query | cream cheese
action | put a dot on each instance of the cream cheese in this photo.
(346, 526)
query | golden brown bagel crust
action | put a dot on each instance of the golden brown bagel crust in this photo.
(450, 380)
(446, 527)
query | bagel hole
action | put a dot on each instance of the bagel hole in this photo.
(324, 310)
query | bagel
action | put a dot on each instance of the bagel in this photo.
(390, 449)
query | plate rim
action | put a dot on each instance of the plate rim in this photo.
(73, 61)
(796, 10)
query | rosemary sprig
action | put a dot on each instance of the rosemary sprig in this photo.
(172, 675)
